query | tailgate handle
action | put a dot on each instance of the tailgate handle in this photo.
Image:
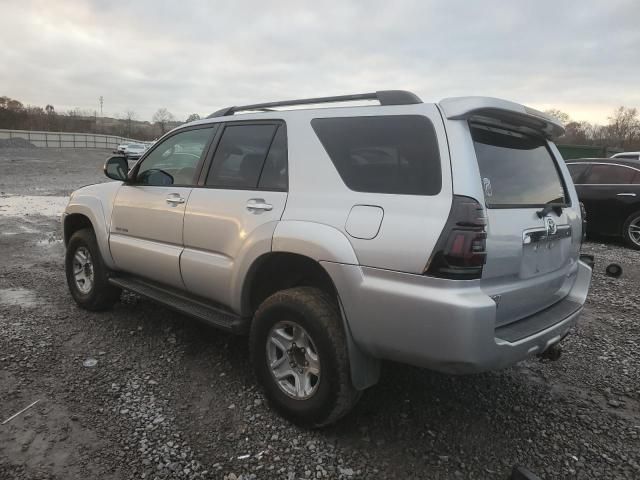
(540, 234)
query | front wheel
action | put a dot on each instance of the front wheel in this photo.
(631, 230)
(300, 356)
(87, 276)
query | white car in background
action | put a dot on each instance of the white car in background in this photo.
(134, 151)
(121, 148)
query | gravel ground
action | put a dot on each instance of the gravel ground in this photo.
(168, 397)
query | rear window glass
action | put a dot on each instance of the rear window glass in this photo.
(390, 154)
(517, 170)
(240, 156)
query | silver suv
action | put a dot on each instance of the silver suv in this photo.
(444, 235)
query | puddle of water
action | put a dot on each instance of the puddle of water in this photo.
(19, 205)
(18, 296)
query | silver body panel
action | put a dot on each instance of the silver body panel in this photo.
(443, 325)
(146, 232)
(373, 246)
(219, 230)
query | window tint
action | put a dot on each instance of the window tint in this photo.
(636, 179)
(516, 169)
(274, 173)
(174, 160)
(576, 170)
(609, 175)
(391, 154)
(240, 156)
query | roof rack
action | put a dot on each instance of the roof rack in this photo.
(385, 97)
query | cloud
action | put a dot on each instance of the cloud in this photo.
(198, 56)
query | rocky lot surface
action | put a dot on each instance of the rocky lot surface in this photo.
(141, 392)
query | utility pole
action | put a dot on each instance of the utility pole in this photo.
(101, 102)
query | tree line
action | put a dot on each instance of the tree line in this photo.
(14, 115)
(622, 130)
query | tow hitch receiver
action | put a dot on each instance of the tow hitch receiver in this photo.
(553, 353)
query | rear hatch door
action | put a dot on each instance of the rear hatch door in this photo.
(532, 227)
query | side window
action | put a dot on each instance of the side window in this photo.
(577, 170)
(388, 154)
(636, 179)
(275, 171)
(609, 175)
(240, 156)
(174, 160)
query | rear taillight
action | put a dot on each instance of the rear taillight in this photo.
(461, 249)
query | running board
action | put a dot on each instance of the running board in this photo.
(184, 303)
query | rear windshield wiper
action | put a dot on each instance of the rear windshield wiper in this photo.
(548, 208)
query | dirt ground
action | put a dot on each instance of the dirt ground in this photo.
(171, 398)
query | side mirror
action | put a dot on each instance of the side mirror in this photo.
(117, 168)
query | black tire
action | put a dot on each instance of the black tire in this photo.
(317, 314)
(633, 218)
(102, 295)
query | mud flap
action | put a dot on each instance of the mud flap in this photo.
(365, 369)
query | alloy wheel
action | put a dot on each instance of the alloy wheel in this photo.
(293, 360)
(83, 270)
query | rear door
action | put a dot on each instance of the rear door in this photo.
(533, 233)
(236, 206)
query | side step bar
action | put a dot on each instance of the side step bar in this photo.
(183, 303)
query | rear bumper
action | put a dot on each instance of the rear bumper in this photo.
(446, 325)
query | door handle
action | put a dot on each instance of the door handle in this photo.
(626, 194)
(258, 204)
(175, 199)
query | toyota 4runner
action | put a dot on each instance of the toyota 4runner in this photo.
(444, 235)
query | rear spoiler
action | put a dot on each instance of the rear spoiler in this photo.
(501, 112)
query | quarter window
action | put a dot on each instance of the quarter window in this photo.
(609, 175)
(391, 154)
(240, 156)
(174, 161)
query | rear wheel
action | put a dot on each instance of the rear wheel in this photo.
(300, 357)
(631, 230)
(87, 276)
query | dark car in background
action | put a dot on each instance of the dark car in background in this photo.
(609, 188)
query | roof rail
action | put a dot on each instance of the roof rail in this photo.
(385, 97)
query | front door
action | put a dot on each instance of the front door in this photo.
(233, 214)
(146, 224)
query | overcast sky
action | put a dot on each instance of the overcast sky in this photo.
(197, 56)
